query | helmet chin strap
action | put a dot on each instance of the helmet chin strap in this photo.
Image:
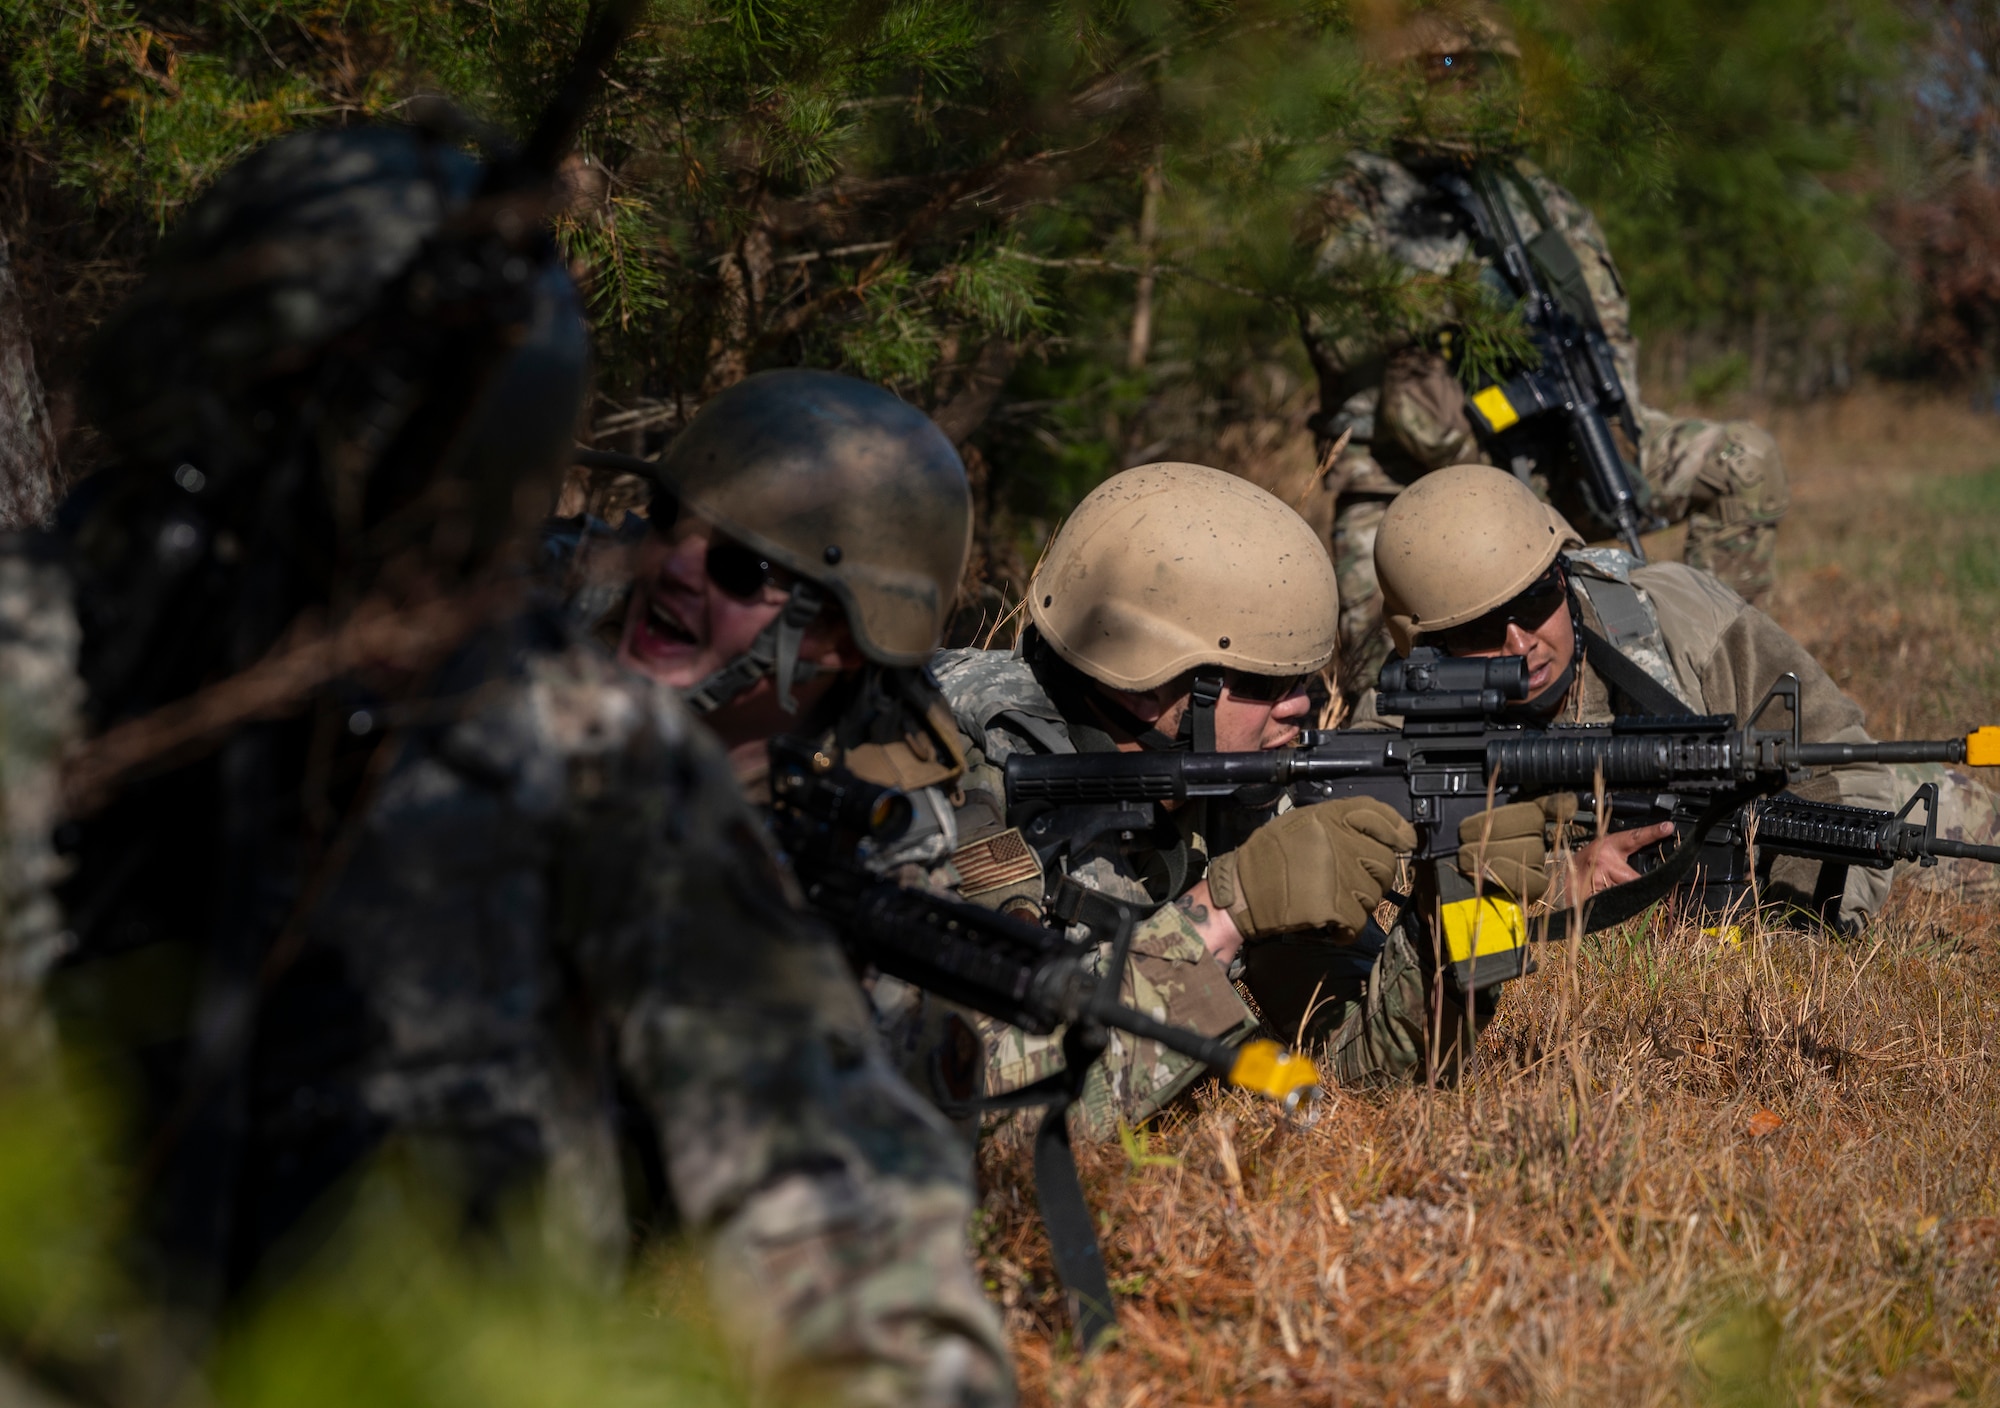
(1075, 694)
(775, 651)
(1197, 727)
(1198, 723)
(1545, 704)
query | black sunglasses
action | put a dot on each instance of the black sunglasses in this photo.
(1264, 689)
(1529, 609)
(740, 571)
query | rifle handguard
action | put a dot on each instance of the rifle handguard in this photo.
(1268, 1069)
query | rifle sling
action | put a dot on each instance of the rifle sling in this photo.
(1622, 902)
(1072, 1231)
(1076, 903)
(1645, 694)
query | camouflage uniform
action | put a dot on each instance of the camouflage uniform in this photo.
(1719, 655)
(1716, 654)
(1002, 709)
(557, 895)
(1404, 408)
(39, 697)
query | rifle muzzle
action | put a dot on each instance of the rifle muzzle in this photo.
(1266, 1068)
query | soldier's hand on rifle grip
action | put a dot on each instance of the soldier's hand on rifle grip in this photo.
(1318, 866)
(1605, 862)
(1509, 845)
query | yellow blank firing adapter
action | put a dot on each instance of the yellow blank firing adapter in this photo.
(1268, 1069)
(1982, 749)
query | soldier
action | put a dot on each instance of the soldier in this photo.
(804, 545)
(1180, 607)
(1471, 561)
(1395, 402)
(806, 540)
(379, 867)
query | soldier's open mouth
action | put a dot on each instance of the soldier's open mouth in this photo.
(662, 624)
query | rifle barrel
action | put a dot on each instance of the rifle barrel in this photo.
(1824, 755)
(1964, 850)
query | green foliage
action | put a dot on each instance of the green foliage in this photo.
(397, 1310)
(1743, 203)
(1719, 377)
(894, 186)
(55, 1207)
(1964, 550)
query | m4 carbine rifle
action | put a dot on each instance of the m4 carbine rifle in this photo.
(1457, 752)
(1576, 375)
(1038, 979)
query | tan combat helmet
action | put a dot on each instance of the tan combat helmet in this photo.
(855, 492)
(1168, 568)
(1458, 543)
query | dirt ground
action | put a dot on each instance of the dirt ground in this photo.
(1692, 1167)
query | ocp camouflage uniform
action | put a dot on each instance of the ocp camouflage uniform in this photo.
(1720, 655)
(1002, 709)
(559, 937)
(1398, 399)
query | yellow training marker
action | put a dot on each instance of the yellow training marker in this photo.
(1484, 925)
(1982, 749)
(1498, 410)
(1268, 1069)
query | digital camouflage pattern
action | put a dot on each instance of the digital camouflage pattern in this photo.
(557, 893)
(1403, 408)
(1001, 708)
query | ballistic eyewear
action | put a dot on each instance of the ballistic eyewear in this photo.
(1529, 610)
(1264, 689)
(740, 571)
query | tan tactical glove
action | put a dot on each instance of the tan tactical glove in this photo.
(1318, 865)
(1514, 846)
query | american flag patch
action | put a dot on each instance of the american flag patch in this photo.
(994, 862)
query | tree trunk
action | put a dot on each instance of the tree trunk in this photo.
(28, 475)
(1141, 341)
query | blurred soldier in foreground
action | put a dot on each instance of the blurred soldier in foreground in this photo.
(1472, 562)
(374, 867)
(1402, 405)
(803, 550)
(1179, 608)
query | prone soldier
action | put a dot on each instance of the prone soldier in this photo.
(804, 544)
(377, 862)
(1471, 561)
(1183, 608)
(1399, 406)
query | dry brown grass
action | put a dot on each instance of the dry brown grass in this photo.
(1687, 1169)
